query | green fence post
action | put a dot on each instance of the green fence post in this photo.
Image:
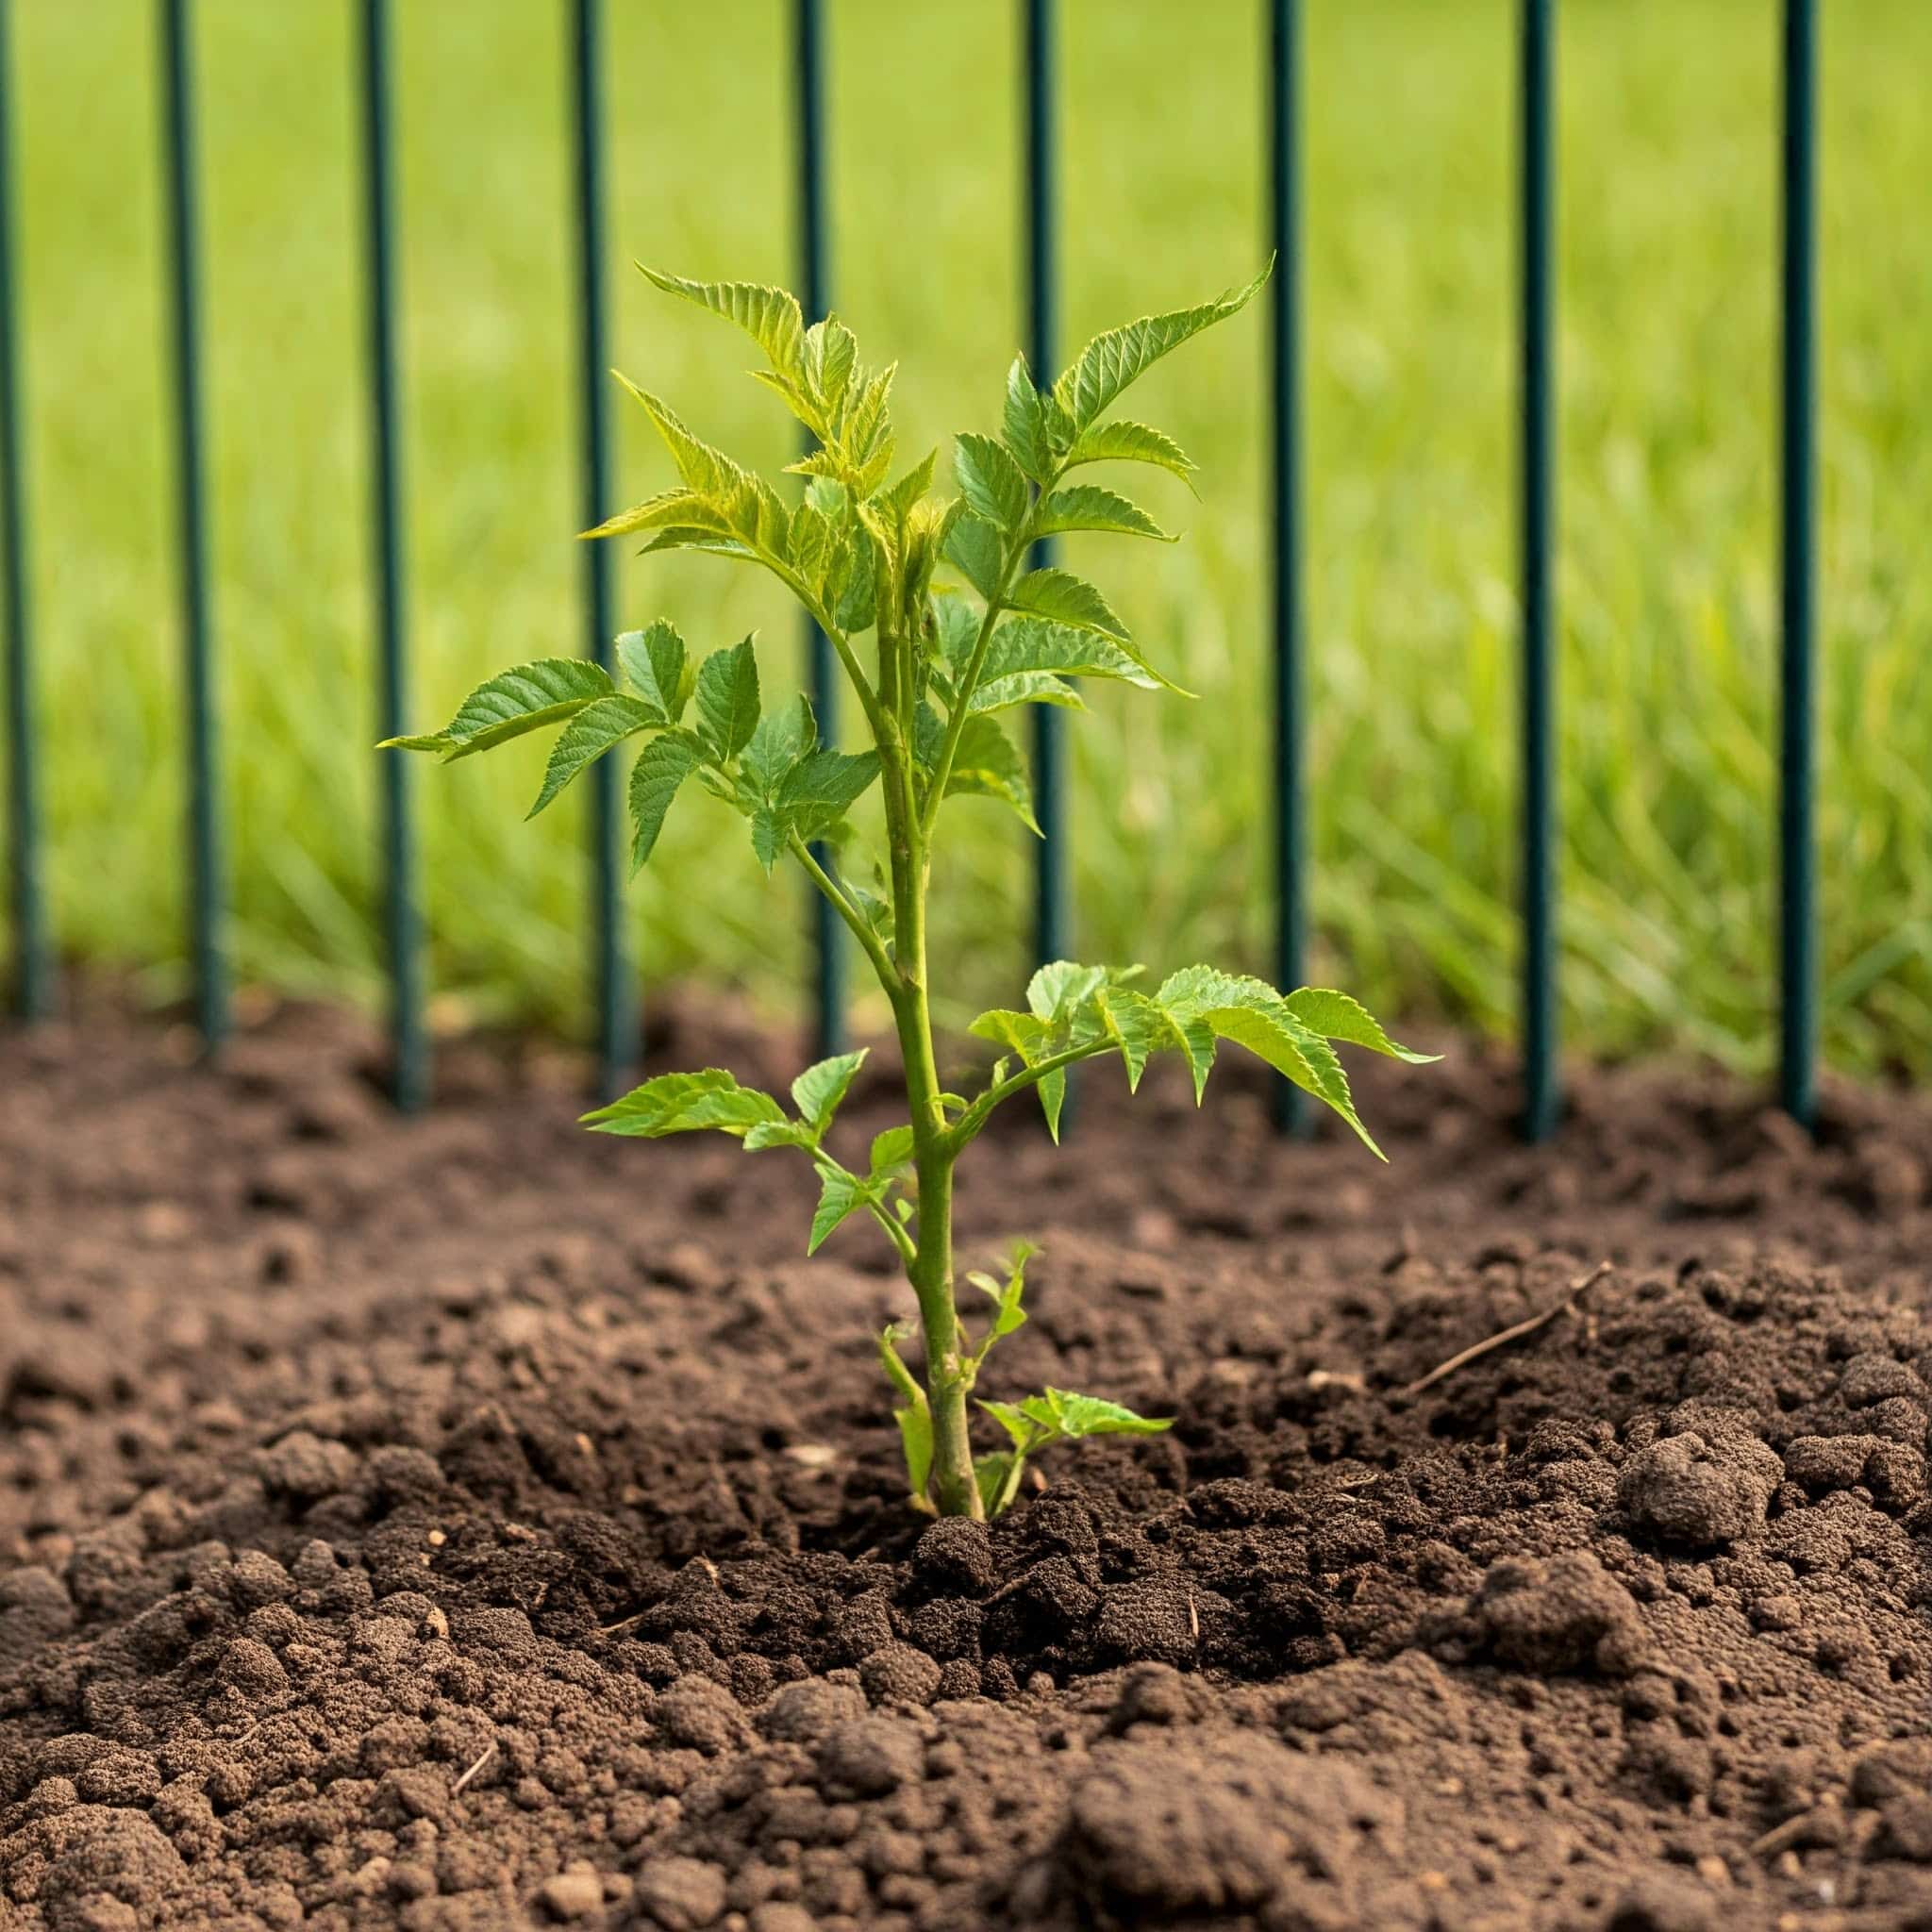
(402, 917)
(1052, 923)
(208, 888)
(1290, 837)
(32, 983)
(1543, 1098)
(828, 935)
(617, 1000)
(1798, 577)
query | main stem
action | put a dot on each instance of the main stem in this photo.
(948, 1376)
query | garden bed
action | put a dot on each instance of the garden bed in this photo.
(470, 1523)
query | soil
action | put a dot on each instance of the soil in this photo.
(468, 1523)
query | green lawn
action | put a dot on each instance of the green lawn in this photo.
(1668, 600)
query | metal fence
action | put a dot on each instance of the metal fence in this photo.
(616, 1004)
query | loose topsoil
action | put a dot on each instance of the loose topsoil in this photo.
(471, 1523)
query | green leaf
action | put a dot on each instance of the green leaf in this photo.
(589, 736)
(1089, 1415)
(685, 1103)
(1131, 443)
(1020, 1426)
(729, 700)
(707, 471)
(1252, 1014)
(769, 316)
(993, 485)
(1024, 647)
(1007, 1313)
(1024, 688)
(821, 787)
(819, 1090)
(1087, 506)
(1336, 1016)
(1140, 1026)
(830, 356)
(1119, 357)
(997, 1476)
(782, 737)
(661, 767)
(915, 1442)
(526, 698)
(841, 1195)
(897, 1374)
(977, 551)
(1034, 1041)
(780, 1134)
(1024, 423)
(891, 1151)
(988, 764)
(658, 667)
(1061, 596)
(668, 510)
(1060, 988)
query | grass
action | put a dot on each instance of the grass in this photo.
(1667, 360)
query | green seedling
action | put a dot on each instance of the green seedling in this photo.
(963, 631)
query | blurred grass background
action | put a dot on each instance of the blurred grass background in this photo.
(1668, 118)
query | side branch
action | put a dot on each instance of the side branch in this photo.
(976, 1117)
(841, 904)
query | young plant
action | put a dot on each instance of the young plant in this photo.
(964, 629)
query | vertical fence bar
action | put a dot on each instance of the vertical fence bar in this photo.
(828, 937)
(617, 1005)
(402, 918)
(207, 889)
(1543, 1099)
(1052, 934)
(1284, 192)
(32, 988)
(1798, 755)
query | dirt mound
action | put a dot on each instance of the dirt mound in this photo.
(426, 1525)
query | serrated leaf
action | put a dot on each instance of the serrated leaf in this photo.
(1060, 989)
(661, 767)
(686, 1103)
(1090, 1415)
(770, 317)
(525, 698)
(1127, 441)
(707, 471)
(891, 1151)
(729, 700)
(1035, 643)
(1007, 1312)
(1140, 1026)
(1064, 598)
(1025, 422)
(1024, 688)
(977, 550)
(988, 764)
(829, 356)
(993, 485)
(587, 736)
(955, 625)
(1119, 357)
(1252, 1014)
(668, 507)
(840, 1196)
(812, 542)
(819, 1090)
(782, 737)
(821, 787)
(1336, 1016)
(1087, 506)
(655, 661)
(779, 1134)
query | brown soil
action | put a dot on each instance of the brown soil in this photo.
(474, 1524)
